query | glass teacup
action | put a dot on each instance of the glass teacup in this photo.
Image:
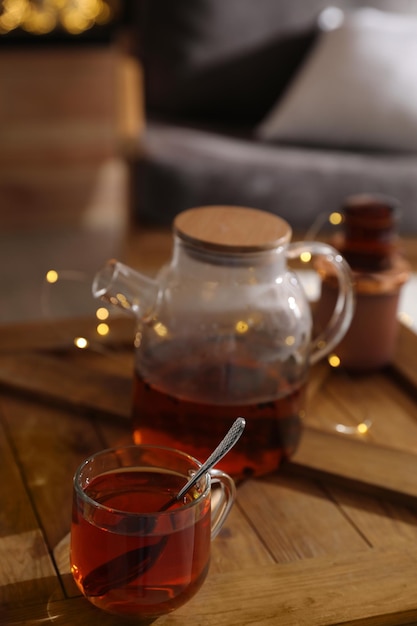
(128, 556)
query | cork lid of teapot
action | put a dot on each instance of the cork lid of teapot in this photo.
(232, 228)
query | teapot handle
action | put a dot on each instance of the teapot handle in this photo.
(344, 307)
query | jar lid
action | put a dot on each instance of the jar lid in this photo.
(232, 228)
(369, 237)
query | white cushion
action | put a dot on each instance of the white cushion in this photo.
(358, 87)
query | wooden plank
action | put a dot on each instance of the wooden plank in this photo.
(297, 519)
(60, 334)
(383, 523)
(119, 362)
(17, 515)
(345, 461)
(49, 444)
(27, 573)
(73, 612)
(379, 399)
(377, 588)
(380, 588)
(239, 546)
(53, 379)
(388, 406)
(385, 398)
(383, 461)
(324, 412)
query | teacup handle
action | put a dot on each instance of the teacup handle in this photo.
(222, 498)
(343, 310)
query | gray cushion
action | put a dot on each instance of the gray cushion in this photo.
(180, 168)
(355, 88)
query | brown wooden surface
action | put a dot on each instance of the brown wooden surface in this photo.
(331, 538)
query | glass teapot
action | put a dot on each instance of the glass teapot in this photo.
(224, 331)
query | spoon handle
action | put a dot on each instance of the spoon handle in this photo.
(223, 448)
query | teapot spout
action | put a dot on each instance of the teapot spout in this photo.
(124, 287)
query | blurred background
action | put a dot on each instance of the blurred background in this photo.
(72, 110)
(70, 94)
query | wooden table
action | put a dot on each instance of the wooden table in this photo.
(329, 539)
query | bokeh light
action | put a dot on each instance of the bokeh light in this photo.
(333, 360)
(51, 276)
(102, 313)
(242, 327)
(103, 329)
(335, 218)
(43, 16)
(81, 343)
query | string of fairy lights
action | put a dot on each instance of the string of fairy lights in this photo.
(40, 17)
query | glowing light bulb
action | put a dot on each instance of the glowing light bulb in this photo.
(102, 313)
(81, 343)
(335, 218)
(51, 276)
(103, 329)
(362, 428)
(333, 360)
(242, 327)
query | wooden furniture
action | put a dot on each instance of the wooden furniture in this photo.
(59, 130)
(328, 539)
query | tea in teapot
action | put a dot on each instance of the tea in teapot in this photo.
(225, 330)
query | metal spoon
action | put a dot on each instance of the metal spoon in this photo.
(226, 444)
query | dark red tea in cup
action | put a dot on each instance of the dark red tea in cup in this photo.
(127, 556)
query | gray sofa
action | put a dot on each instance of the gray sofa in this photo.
(215, 69)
